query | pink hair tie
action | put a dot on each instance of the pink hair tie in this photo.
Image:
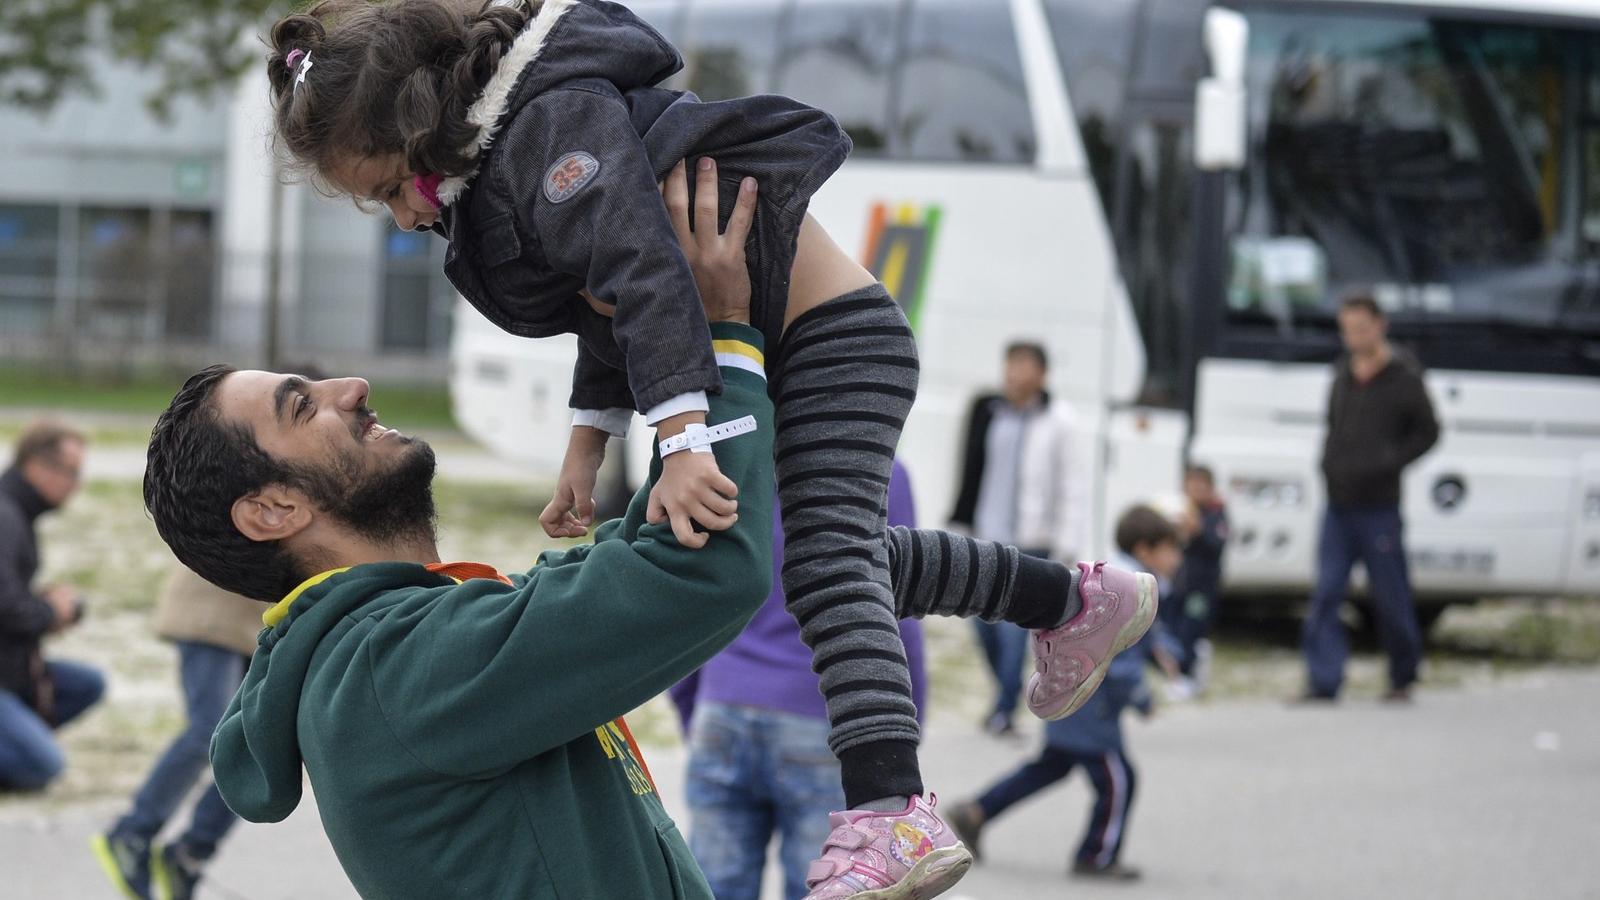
(299, 62)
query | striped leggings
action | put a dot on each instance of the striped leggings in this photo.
(843, 382)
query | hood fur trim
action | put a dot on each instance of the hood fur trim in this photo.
(487, 110)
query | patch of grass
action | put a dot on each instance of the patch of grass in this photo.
(53, 390)
(103, 544)
(1509, 632)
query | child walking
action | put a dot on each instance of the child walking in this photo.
(1204, 529)
(532, 137)
(1091, 738)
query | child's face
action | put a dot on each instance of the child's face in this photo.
(1161, 560)
(1197, 488)
(386, 180)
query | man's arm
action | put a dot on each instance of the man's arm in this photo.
(972, 462)
(1422, 426)
(21, 611)
(490, 676)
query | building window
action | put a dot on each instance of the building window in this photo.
(416, 297)
(29, 246)
(190, 275)
(118, 274)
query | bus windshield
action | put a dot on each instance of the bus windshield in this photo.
(1450, 166)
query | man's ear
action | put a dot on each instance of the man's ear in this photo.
(271, 514)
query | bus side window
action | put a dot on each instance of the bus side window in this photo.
(1094, 43)
(836, 56)
(730, 47)
(961, 90)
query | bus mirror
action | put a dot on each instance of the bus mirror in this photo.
(1227, 37)
(1221, 130)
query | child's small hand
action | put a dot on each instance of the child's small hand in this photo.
(571, 511)
(692, 489)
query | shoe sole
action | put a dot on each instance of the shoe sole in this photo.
(931, 876)
(108, 863)
(1144, 615)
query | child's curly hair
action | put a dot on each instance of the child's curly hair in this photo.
(393, 76)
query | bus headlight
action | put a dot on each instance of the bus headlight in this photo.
(1269, 493)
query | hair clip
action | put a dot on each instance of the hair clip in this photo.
(300, 61)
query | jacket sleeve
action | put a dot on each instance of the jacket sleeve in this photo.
(608, 226)
(489, 675)
(972, 462)
(1213, 533)
(1421, 426)
(596, 385)
(21, 611)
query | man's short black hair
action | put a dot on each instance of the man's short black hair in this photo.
(196, 467)
(1363, 301)
(1143, 526)
(1029, 348)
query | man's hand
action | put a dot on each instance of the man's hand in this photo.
(571, 511)
(63, 602)
(691, 487)
(716, 258)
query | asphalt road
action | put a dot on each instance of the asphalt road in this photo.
(1485, 792)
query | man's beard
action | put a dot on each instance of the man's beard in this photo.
(386, 506)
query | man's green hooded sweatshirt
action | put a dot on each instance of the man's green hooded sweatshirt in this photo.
(464, 739)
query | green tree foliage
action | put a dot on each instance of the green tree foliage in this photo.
(48, 47)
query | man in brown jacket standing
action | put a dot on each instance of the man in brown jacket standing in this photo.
(215, 632)
(1379, 421)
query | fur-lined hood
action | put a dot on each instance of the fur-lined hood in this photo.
(566, 39)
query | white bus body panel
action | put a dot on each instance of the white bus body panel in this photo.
(1516, 445)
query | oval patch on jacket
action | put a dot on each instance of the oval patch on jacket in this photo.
(568, 176)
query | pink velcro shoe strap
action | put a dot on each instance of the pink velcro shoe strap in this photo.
(848, 837)
(823, 869)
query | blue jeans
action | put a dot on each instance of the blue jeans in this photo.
(210, 677)
(1372, 535)
(1005, 648)
(30, 758)
(754, 773)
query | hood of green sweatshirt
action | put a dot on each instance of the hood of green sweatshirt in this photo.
(263, 770)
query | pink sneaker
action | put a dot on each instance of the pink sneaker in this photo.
(908, 855)
(1118, 607)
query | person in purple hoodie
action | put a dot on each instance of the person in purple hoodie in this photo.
(757, 724)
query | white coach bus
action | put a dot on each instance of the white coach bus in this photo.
(1170, 195)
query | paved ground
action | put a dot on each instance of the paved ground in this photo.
(1488, 792)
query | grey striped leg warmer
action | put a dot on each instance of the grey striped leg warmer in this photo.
(844, 380)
